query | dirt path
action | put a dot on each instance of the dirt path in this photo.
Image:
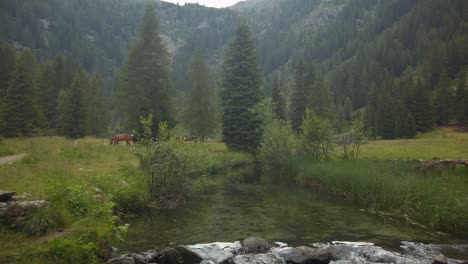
(8, 159)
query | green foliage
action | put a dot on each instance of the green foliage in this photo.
(351, 140)
(278, 98)
(316, 137)
(144, 84)
(395, 187)
(147, 132)
(41, 221)
(348, 109)
(166, 174)
(72, 250)
(201, 113)
(299, 99)
(241, 91)
(279, 146)
(21, 114)
(74, 112)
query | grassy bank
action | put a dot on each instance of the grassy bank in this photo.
(444, 143)
(86, 184)
(379, 182)
(435, 199)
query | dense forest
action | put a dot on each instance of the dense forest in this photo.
(399, 67)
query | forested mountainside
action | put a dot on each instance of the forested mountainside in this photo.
(402, 61)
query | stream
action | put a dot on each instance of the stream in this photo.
(239, 204)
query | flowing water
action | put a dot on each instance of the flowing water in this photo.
(240, 206)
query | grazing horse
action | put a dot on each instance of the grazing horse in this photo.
(123, 137)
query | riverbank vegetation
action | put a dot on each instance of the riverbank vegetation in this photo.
(88, 185)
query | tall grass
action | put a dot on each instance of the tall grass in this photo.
(437, 199)
(85, 184)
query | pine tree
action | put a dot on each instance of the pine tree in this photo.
(97, 107)
(421, 108)
(241, 91)
(460, 99)
(20, 110)
(322, 102)
(371, 112)
(278, 98)
(7, 73)
(7, 67)
(201, 114)
(348, 109)
(145, 86)
(299, 98)
(74, 111)
(444, 101)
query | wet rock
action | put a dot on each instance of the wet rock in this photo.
(440, 259)
(255, 245)
(216, 252)
(17, 209)
(304, 255)
(170, 256)
(280, 244)
(121, 260)
(258, 259)
(143, 257)
(6, 196)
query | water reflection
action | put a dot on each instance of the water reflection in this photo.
(241, 204)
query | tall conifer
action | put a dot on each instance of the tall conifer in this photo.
(241, 91)
(145, 86)
(201, 114)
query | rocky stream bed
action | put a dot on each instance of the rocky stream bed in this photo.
(255, 250)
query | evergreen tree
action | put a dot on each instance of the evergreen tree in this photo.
(20, 109)
(278, 98)
(74, 111)
(322, 101)
(421, 108)
(299, 98)
(241, 91)
(7, 73)
(145, 86)
(348, 109)
(444, 101)
(7, 67)
(97, 107)
(460, 99)
(201, 114)
(371, 112)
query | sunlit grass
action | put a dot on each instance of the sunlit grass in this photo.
(442, 143)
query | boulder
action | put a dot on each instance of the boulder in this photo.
(255, 245)
(304, 255)
(218, 253)
(143, 257)
(121, 260)
(17, 209)
(268, 258)
(440, 259)
(170, 256)
(6, 196)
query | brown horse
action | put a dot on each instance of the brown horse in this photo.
(123, 137)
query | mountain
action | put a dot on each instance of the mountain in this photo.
(384, 47)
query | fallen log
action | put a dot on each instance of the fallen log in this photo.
(441, 164)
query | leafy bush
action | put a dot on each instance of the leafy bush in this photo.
(166, 174)
(72, 250)
(316, 136)
(278, 146)
(40, 221)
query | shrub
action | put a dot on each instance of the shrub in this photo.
(72, 250)
(278, 146)
(166, 175)
(40, 221)
(316, 137)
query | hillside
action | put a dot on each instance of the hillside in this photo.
(367, 50)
